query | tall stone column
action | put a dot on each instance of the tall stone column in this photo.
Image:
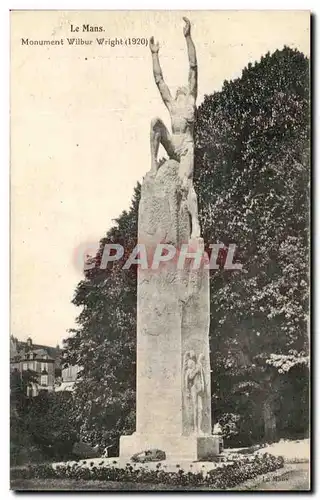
(173, 311)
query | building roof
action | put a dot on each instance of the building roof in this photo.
(19, 350)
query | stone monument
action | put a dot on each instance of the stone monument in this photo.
(173, 307)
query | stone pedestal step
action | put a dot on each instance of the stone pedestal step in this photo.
(176, 447)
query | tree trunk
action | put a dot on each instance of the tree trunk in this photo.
(269, 418)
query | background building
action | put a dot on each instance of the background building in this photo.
(43, 361)
(46, 365)
(68, 377)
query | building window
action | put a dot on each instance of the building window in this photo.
(44, 380)
(44, 367)
(25, 366)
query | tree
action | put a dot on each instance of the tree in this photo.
(49, 421)
(252, 181)
(41, 427)
(20, 441)
(104, 345)
(20, 384)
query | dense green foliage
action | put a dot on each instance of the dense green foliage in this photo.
(42, 427)
(252, 177)
(252, 180)
(104, 344)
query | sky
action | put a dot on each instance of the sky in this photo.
(80, 118)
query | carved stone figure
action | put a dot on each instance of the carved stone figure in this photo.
(194, 389)
(173, 402)
(180, 144)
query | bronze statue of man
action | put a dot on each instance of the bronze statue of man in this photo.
(180, 144)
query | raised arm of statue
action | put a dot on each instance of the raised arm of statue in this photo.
(157, 73)
(193, 68)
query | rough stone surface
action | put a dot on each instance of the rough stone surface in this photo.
(173, 405)
(163, 216)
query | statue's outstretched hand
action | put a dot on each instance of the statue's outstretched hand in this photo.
(187, 27)
(154, 46)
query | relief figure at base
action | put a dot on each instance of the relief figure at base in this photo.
(194, 390)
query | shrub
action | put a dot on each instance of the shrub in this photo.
(228, 423)
(225, 476)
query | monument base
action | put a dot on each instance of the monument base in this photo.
(176, 447)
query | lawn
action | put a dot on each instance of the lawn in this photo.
(293, 477)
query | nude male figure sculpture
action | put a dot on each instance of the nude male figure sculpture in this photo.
(194, 386)
(180, 144)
